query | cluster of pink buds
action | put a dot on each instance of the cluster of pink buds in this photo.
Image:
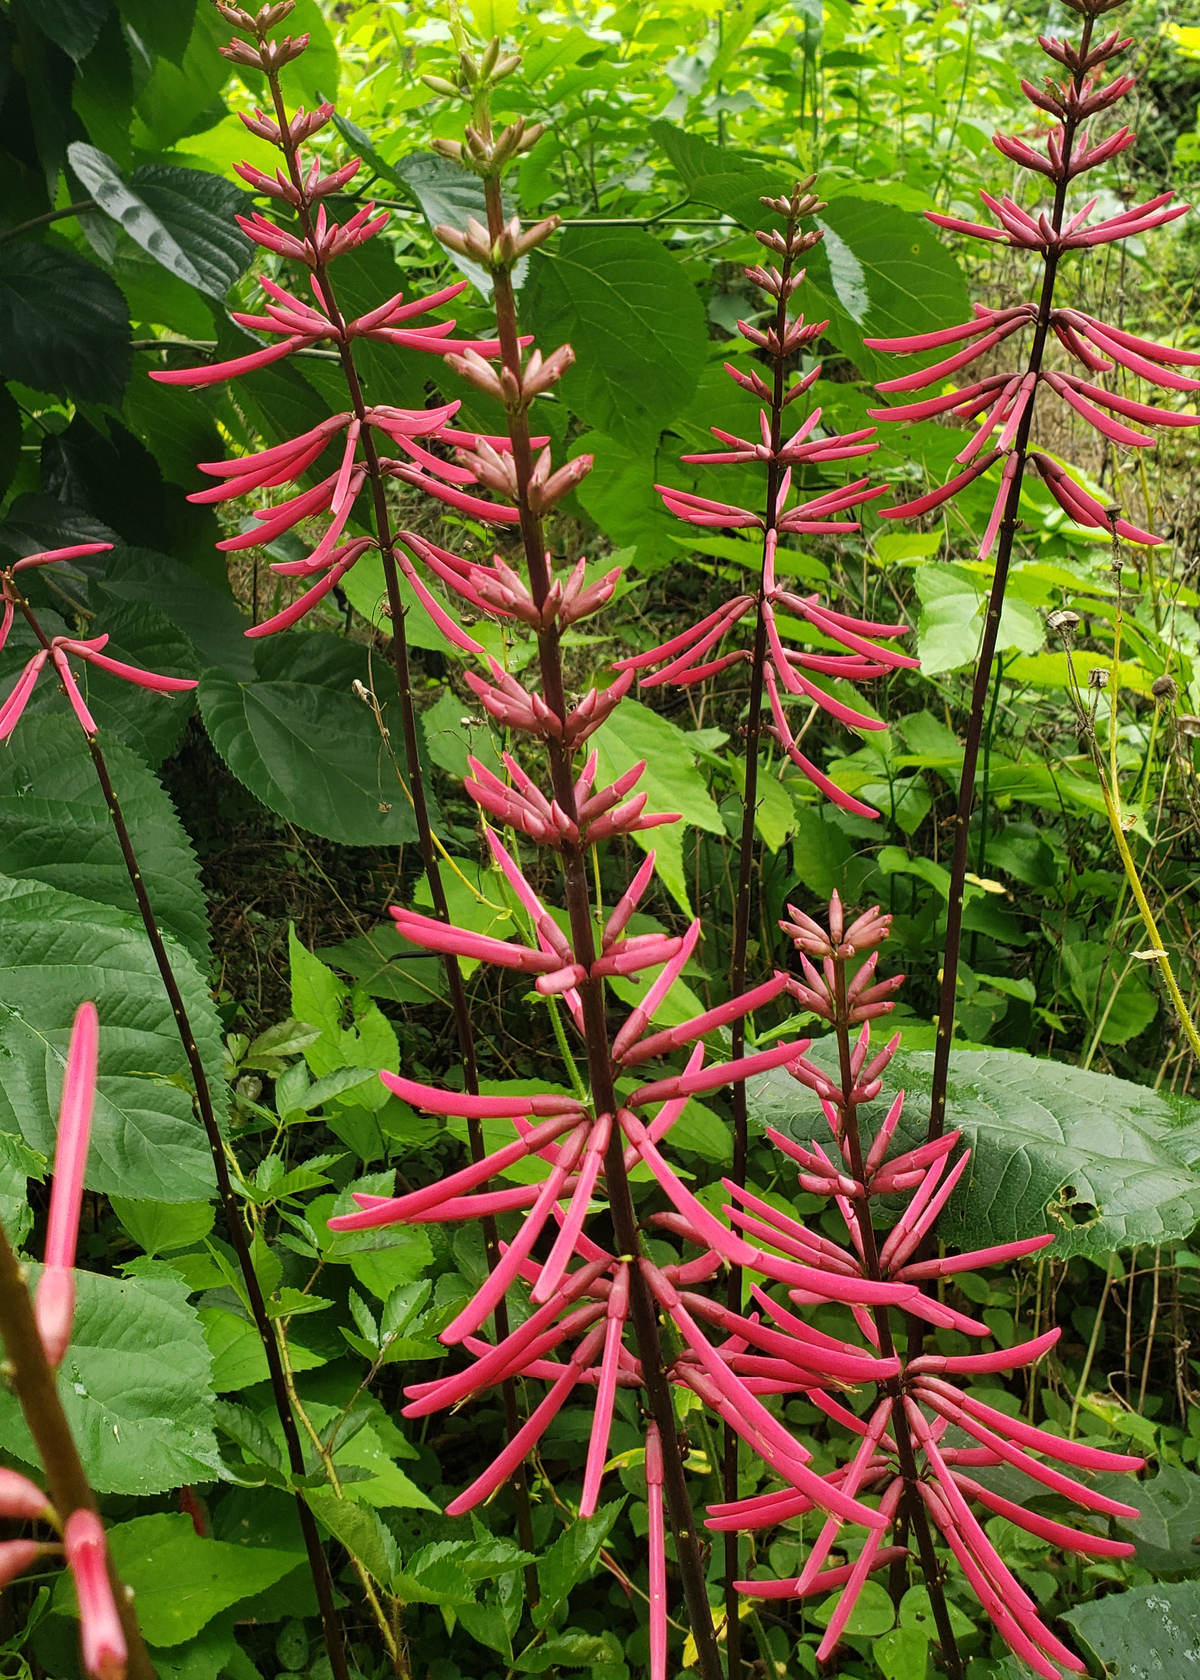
(1003, 403)
(103, 1642)
(819, 992)
(56, 651)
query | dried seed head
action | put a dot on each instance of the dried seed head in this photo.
(1163, 688)
(1097, 677)
(1064, 621)
(1188, 724)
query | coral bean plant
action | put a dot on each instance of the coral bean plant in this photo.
(723, 1331)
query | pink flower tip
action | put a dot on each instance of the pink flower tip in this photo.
(104, 1650)
(20, 1499)
(54, 1311)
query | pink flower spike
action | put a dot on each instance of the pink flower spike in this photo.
(674, 1037)
(952, 1263)
(721, 1073)
(50, 555)
(22, 1500)
(433, 935)
(104, 1650)
(658, 1554)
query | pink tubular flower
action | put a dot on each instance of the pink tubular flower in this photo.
(103, 1642)
(54, 1303)
(16, 1556)
(14, 706)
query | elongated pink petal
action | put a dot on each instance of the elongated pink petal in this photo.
(11, 710)
(712, 1078)
(220, 371)
(20, 1499)
(658, 1554)
(78, 703)
(618, 1307)
(1058, 1534)
(104, 1649)
(433, 935)
(48, 556)
(531, 1430)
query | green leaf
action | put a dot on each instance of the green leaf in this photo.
(159, 1227)
(447, 194)
(571, 1558)
(55, 828)
(570, 1649)
(720, 177)
(1167, 1533)
(902, 1654)
(301, 741)
(180, 1581)
(1144, 1633)
(320, 997)
(180, 92)
(135, 1386)
(387, 966)
(164, 29)
(873, 1613)
(1117, 999)
(210, 618)
(671, 781)
(636, 324)
(182, 217)
(10, 438)
(56, 950)
(1098, 1161)
(73, 25)
(357, 1527)
(880, 272)
(64, 325)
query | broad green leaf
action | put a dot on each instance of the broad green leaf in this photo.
(18, 1164)
(56, 950)
(721, 177)
(1167, 1533)
(619, 495)
(571, 1558)
(209, 617)
(178, 94)
(148, 721)
(64, 326)
(73, 25)
(448, 194)
(159, 1227)
(1147, 1633)
(55, 828)
(880, 272)
(1100, 1162)
(182, 217)
(902, 1654)
(135, 1387)
(302, 742)
(180, 1581)
(570, 1649)
(164, 29)
(10, 438)
(873, 1613)
(671, 781)
(239, 1360)
(320, 997)
(636, 324)
(1113, 996)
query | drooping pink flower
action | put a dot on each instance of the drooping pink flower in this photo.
(22, 1500)
(54, 1302)
(13, 707)
(105, 1653)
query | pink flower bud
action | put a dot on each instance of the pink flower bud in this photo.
(22, 1500)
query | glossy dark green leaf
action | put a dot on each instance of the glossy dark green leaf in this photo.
(64, 325)
(10, 438)
(136, 1390)
(73, 25)
(149, 721)
(304, 744)
(55, 828)
(1100, 1162)
(164, 29)
(117, 479)
(636, 324)
(182, 217)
